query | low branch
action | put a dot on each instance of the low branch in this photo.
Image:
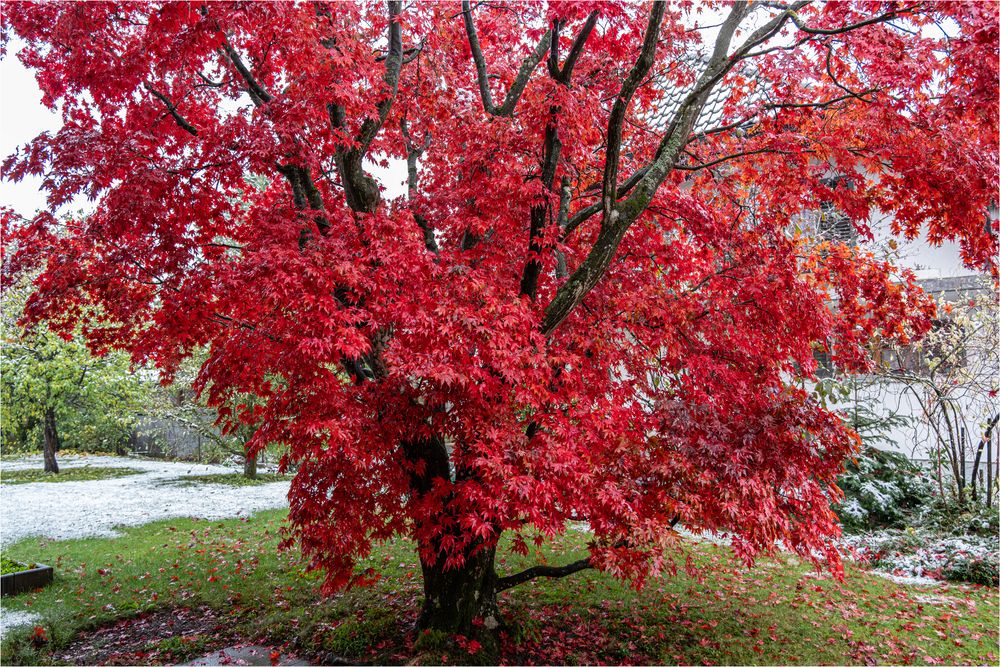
(558, 571)
(503, 583)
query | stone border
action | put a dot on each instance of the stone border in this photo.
(25, 580)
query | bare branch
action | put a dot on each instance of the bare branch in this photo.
(503, 583)
(528, 65)
(172, 109)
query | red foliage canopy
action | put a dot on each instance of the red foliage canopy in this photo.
(592, 314)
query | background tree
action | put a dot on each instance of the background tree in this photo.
(576, 310)
(953, 377)
(56, 392)
(176, 402)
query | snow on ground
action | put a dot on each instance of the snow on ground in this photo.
(909, 581)
(10, 618)
(66, 510)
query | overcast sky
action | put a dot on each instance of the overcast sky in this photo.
(22, 117)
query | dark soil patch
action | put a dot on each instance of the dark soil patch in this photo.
(163, 636)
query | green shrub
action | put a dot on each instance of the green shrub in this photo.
(881, 490)
(944, 515)
(982, 571)
(8, 566)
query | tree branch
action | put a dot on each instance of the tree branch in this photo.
(393, 64)
(727, 158)
(172, 108)
(619, 216)
(503, 583)
(541, 213)
(565, 74)
(482, 74)
(881, 18)
(360, 189)
(413, 153)
(609, 189)
(257, 92)
(587, 212)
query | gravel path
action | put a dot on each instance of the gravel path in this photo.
(66, 510)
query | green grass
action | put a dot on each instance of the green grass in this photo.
(12, 455)
(781, 612)
(74, 474)
(231, 479)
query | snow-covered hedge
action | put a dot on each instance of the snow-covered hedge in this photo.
(881, 490)
(910, 553)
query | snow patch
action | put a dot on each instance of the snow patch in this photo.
(936, 600)
(68, 510)
(12, 618)
(909, 581)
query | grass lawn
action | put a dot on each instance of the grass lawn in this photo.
(232, 479)
(75, 474)
(172, 590)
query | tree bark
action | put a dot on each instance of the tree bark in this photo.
(462, 600)
(250, 466)
(50, 441)
(987, 435)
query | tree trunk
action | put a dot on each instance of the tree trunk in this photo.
(463, 601)
(250, 466)
(457, 601)
(50, 441)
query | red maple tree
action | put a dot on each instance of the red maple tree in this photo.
(591, 303)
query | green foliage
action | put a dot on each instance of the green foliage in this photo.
(923, 553)
(982, 571)
(80, 474)
(178, 403)
(8, 566)
(94, 397)
(881, 490)
(948, 517)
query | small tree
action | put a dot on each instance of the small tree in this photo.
(953, 375)
(232, 437)
(56, 390)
